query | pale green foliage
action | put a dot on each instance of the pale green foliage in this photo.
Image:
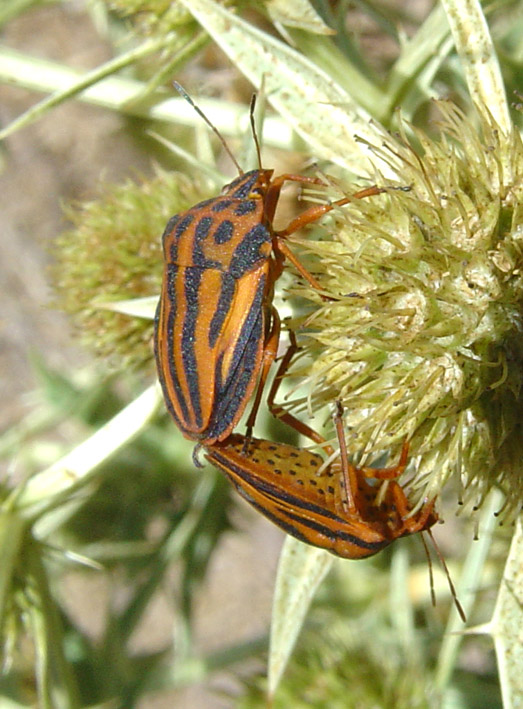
(421, 338)
(113, 252)
(422, 335)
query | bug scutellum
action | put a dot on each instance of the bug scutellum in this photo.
(216, 331)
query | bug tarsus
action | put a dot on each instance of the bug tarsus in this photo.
(247, 441)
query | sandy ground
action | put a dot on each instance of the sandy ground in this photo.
(60, 158)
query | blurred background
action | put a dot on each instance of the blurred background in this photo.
(145, 616)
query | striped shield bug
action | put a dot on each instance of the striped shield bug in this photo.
(312, 502)
(216, 331)
(330, 503)
(333, 507)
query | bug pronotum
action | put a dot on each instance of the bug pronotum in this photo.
(216, 330)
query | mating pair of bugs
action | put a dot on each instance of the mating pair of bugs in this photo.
(216, 336)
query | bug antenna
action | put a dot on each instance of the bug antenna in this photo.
(183, 93)
(458, 605)
(253, 128)
(431, 571)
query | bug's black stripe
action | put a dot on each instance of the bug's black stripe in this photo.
(246, 206)
(205, 203)
(278, 521)
(221, 204)
(201, 233)
(172, 276)
(180, 229)
(173, 221)
(192, 279)
(276, 495)
(247, 254)
(336, 534)
(231, 394)
(239, 380)
(228, 288)
(270, 490)
(166, 369)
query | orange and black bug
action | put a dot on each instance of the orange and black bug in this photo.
(329, 506)
(332, 507)
(216, 331)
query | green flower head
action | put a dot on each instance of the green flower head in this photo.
(422, 334)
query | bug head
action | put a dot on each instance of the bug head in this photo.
(251, 185)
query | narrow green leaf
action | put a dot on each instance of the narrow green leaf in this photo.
(307, 97)
(411, 77)
(507, 625)
(12, 535)
(466, 590)
(299, 14)
(301, 570)
(122, 94)
(67, 89)
(61, 477)
(135, 307)
(327, 57)
(478, 58)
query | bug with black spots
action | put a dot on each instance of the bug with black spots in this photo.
(333, 507)
(328, 503)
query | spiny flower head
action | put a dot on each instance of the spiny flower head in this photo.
(112, 253)
(422, 335)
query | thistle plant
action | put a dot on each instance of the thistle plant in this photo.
(110, 255)
(418, 337)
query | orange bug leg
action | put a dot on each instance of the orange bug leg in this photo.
(309, 216)
(361, 498)
(394, 471)
(415, 523)
(279, 412)
(357, 496)
(314, 213)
